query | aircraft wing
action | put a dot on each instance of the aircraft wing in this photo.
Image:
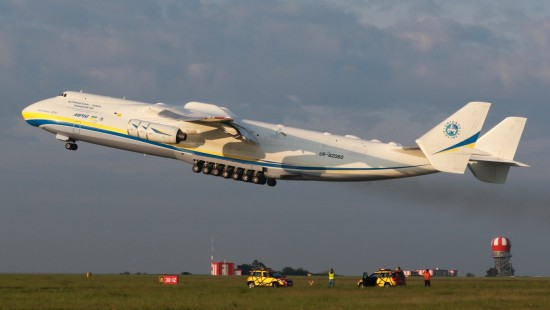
(207, 114)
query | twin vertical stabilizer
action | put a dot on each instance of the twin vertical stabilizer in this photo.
(495, 150)
(449, 145)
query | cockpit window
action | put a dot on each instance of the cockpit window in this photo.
(63, 94)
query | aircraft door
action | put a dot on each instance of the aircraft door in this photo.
(76, 127)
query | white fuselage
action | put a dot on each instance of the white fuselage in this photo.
(280, 152)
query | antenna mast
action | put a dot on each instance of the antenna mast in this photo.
(212, 256)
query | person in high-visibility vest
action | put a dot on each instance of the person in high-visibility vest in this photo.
(427, 277)
(331, 278)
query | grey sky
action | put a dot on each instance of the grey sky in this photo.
(376, 69)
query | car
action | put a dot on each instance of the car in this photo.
(265, 277)
(287, 281)
(383, 278)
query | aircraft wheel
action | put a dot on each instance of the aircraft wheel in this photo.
(215, 171)
(196, 169)
(71, 146)
(246, 178)
(271, 182)
(206, 170)
(235, 176)
(255, 179)
(226, 174)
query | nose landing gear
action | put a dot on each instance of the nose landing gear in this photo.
(71, 146)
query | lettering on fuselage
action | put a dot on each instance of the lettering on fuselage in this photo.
(81, 115)
(84, 105)
(47, 111)
(331, 155)
(92, 118)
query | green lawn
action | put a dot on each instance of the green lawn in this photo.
(207, 292)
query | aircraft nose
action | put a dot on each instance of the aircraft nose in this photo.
(28, 114)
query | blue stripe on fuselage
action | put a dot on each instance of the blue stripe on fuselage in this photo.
(38, 123)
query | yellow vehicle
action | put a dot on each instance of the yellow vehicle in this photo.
(267, 278)
(382, 278)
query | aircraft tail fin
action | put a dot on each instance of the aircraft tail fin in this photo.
(449, 145)
(503, 139)
(495, 150)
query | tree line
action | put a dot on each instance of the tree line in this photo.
(256, 264)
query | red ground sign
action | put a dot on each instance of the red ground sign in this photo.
(170, 279)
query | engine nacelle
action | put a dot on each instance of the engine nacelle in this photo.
(155, 132)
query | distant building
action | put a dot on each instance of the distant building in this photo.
(433, 272)
(222, 268)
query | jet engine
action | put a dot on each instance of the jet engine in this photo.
(155, 132)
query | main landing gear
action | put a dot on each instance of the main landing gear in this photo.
(235, 173)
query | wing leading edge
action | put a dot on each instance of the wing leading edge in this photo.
(208, 114)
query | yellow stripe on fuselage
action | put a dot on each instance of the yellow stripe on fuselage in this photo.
(65, 119)
(251, 160)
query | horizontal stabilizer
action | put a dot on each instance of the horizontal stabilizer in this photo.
(448, 146)
(494, 152)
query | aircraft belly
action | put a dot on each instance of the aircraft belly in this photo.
(61, 129)
(367, 175)
(118, 141)
(343, 165)
(125, 143)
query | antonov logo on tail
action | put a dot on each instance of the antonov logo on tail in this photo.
(215, 142)
(452, 129)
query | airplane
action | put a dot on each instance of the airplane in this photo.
(216, 142)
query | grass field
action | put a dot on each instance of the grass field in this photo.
(207, 292)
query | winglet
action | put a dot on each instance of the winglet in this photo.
(448, 146)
